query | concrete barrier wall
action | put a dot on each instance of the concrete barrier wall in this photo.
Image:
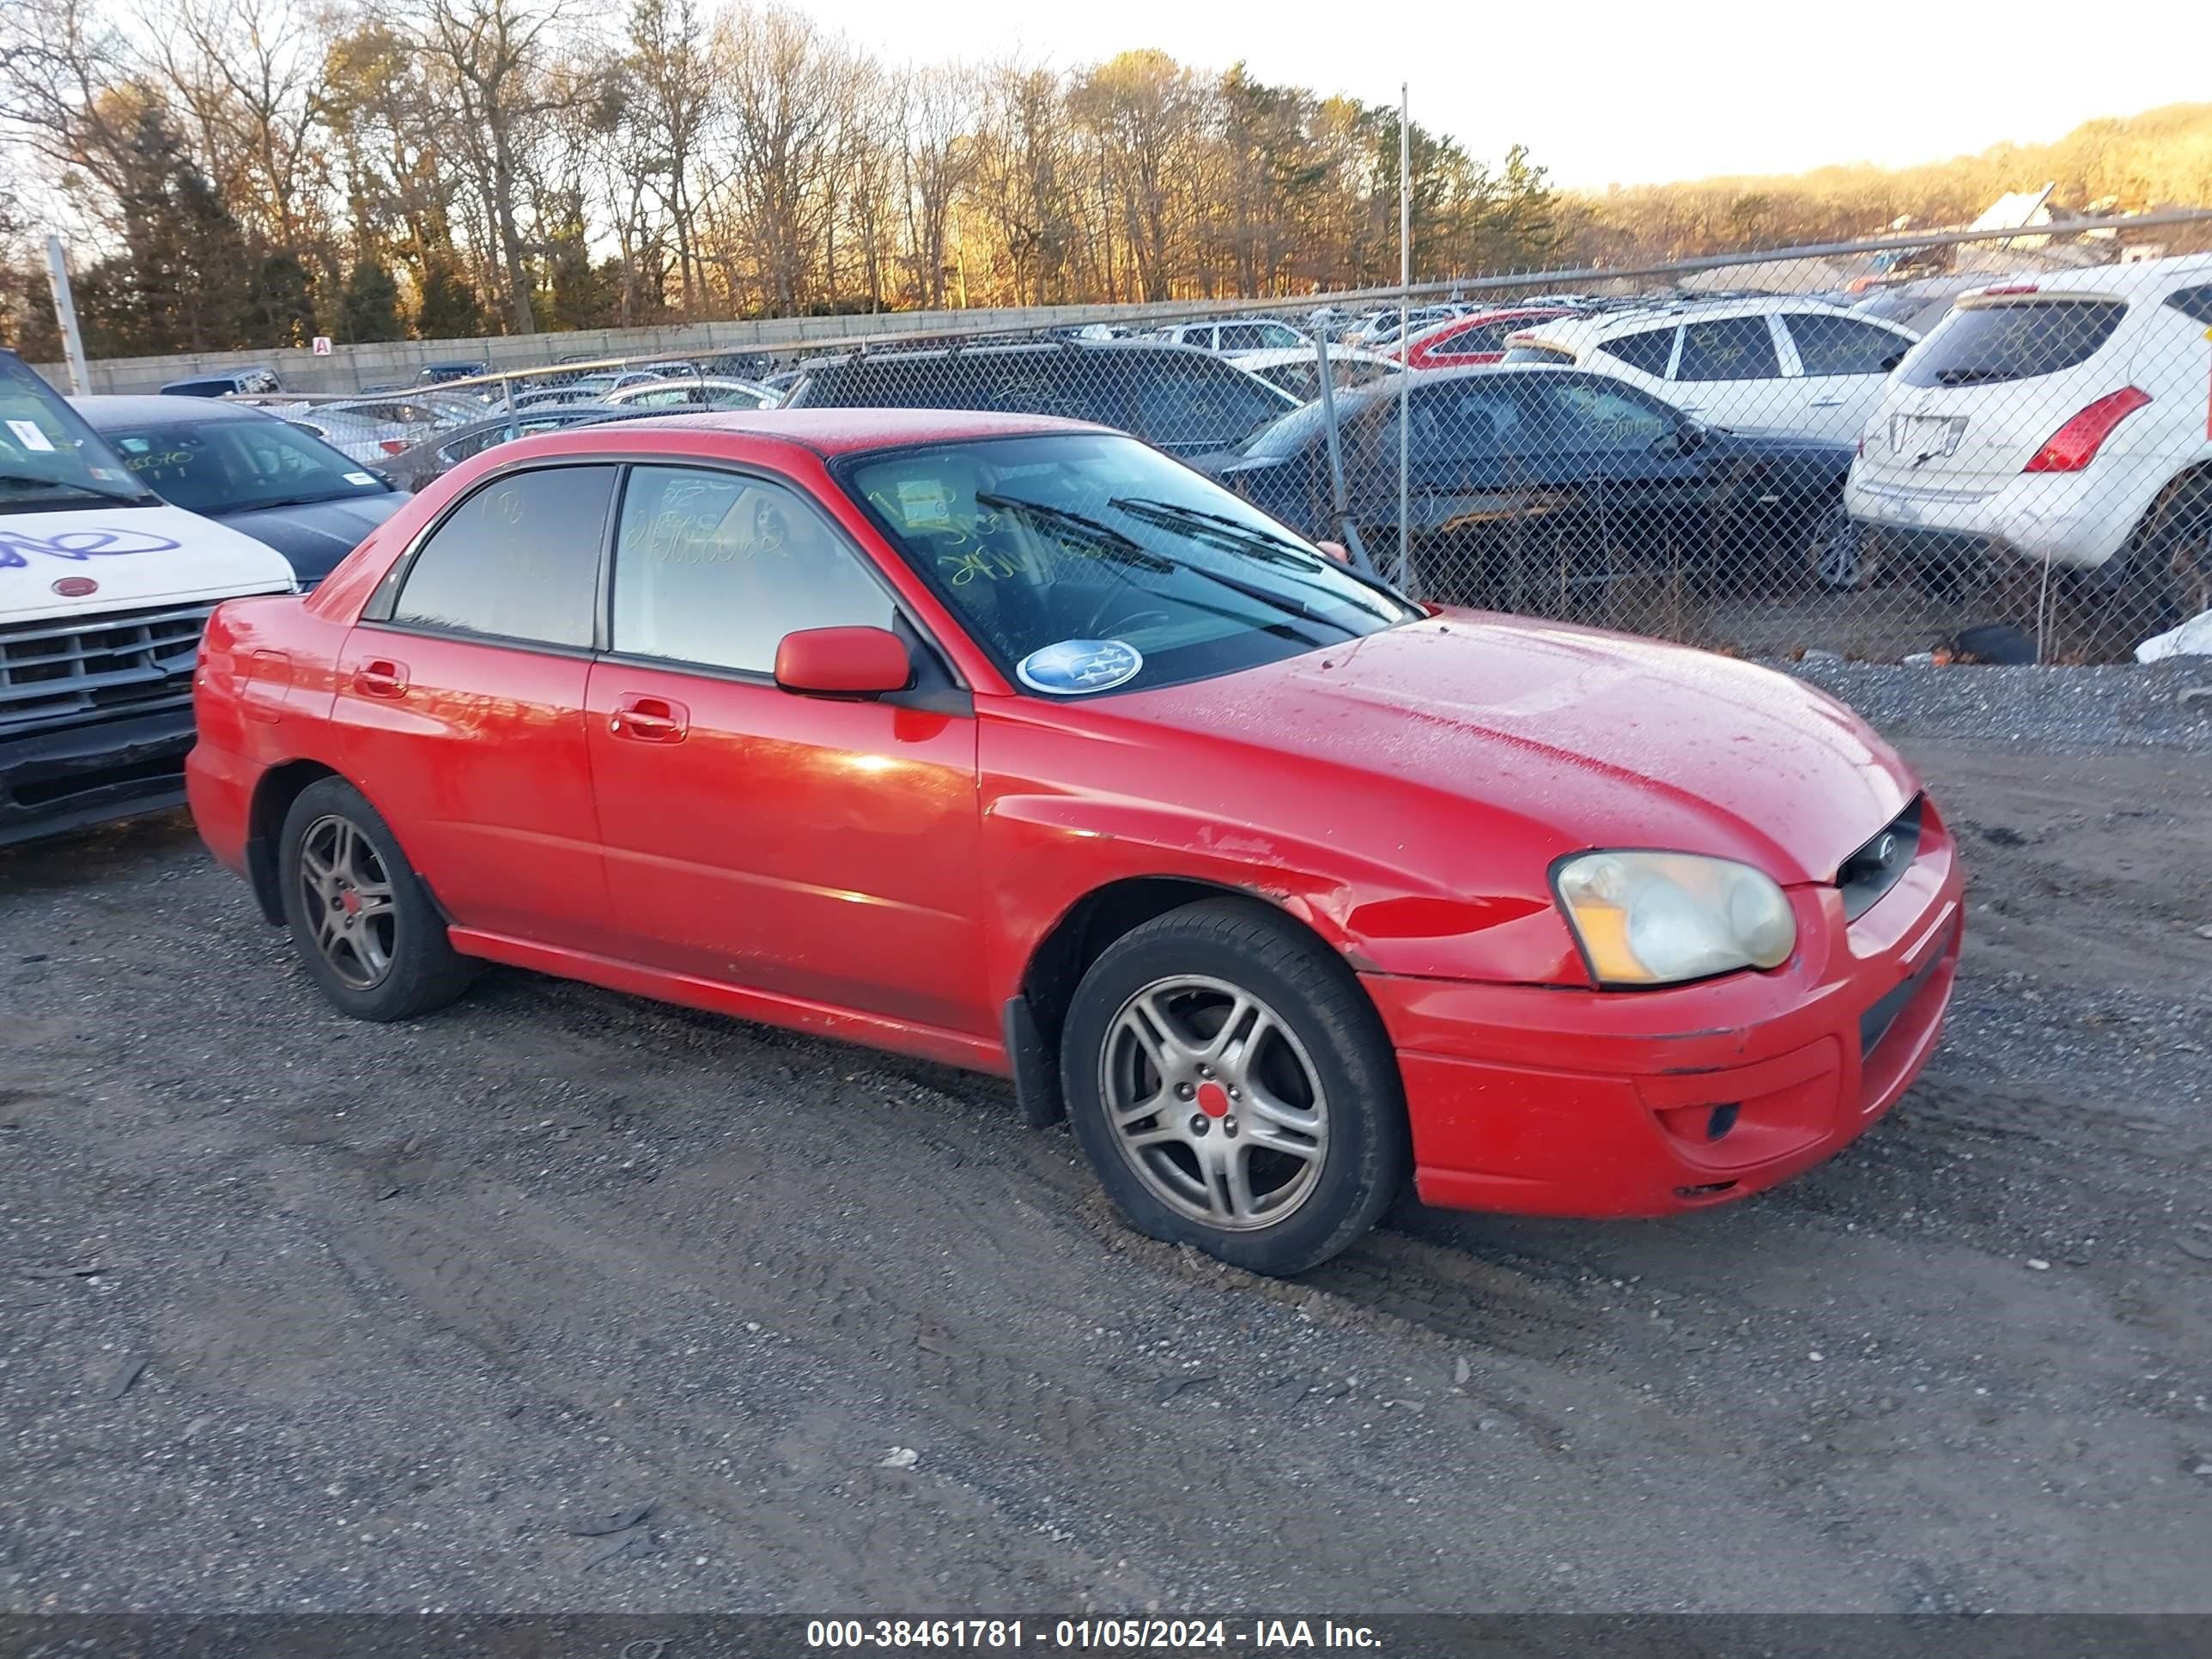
(353, 367)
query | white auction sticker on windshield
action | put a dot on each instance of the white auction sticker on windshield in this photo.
(359, 478)
(29, 434)
(1074, 667)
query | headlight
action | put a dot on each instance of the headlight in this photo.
(1659, 918)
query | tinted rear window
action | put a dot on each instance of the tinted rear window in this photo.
(1536, 354)
(2013, 340)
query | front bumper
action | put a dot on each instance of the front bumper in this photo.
(1597, 1104)
(70, 777)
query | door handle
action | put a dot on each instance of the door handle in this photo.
(649, 720)
(380, 677)
(1827, 403)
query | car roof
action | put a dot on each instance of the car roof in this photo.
(107, 411)
(832, 432)
(2131, 280)
(1008, 350)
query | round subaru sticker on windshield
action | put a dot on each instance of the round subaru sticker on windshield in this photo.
(1073, 667)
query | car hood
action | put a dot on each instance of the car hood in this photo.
(138, 555)
(315, 535)
(1593, 739)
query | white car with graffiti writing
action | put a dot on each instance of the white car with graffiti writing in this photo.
(104, 590)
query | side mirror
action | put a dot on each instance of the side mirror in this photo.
(843, 662)
(1336, 550)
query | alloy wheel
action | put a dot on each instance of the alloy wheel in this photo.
(1214, 1101)
(348, 901)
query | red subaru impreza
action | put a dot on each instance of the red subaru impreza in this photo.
(1010, 743)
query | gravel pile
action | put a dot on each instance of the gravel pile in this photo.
(2099, 704)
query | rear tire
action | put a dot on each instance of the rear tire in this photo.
(1234, 1090)
(365, 928)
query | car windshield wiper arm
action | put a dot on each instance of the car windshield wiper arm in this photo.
(1243, 538)
(1139, 554)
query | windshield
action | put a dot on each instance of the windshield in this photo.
(1089, 562)
(49, 457)
(232, 466)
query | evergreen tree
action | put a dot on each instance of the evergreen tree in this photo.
(369, 309)
(450, 308)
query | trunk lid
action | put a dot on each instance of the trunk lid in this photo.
(1974, 402)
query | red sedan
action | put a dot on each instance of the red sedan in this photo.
(1010, 743)
(1479, 337)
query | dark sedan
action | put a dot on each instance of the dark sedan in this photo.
(257, 474)
(1526, 485)
(1176, 398)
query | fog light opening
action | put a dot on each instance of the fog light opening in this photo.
(1722, 1119)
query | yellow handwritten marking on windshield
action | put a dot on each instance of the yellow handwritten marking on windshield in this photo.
(966, 567)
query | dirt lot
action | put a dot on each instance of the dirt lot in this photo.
(382, 1317)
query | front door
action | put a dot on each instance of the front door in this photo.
(461, 707)
(810, 847)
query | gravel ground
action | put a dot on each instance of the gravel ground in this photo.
(560, 1300)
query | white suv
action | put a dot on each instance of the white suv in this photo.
(1798, 367)
(2064, 419)
(1234, 336)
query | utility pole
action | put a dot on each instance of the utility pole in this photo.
(1405, 571)
(65, 314)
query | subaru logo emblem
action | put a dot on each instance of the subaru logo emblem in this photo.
(76, 587)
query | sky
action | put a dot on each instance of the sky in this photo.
(1633, 93)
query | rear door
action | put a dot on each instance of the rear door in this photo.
(1989, 385)
(460, 705)
(1729, 373)
(1843, 361)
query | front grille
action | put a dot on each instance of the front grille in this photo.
(1877, 866)
(123, 662)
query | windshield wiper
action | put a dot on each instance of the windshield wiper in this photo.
(281, 501)
(40, 481)
(1241, 537)
(1971, 376)
(1136, 553)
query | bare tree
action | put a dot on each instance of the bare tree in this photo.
(780, 114)
(492, 58)
(937, 158)
(674, 98)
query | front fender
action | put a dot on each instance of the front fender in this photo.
(1046, 853)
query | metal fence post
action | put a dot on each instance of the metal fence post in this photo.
(1339, 499)
(1405, 321)
(65, 313)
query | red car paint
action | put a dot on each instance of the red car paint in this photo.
(1477, 338)
(887, 874)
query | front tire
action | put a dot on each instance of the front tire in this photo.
(1233, 1089)
(364, 927)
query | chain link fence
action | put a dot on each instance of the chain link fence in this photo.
(1992, 446)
